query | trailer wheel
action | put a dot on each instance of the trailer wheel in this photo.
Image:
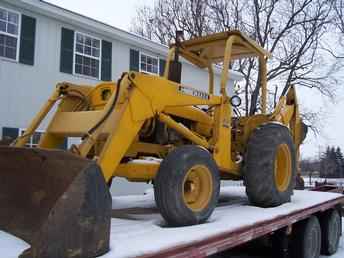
(270, 166)
(330, 232)
(187, 186)
(306, 239)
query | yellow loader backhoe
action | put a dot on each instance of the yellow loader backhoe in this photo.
(147, 128)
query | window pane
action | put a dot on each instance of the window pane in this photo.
(11, 42)
(78, 59)
(94, 72)
(13, 18)
(93, 63)
(87, 71)
(79, 48)
(143, 59)
(149, 68)
(78, 69)
(155, 61)
(149, 60)
(88, 41)
(10, 53)
(2, 26)
(88, 50)
(8, 47)
(2, 50)
(96, 43)
(95, 52)
(87, 61)
(12, 29)
(79, 38)
(97, 66)
(143, 67)
(155, 69)
(3, 15)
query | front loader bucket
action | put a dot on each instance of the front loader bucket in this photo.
(57, 202)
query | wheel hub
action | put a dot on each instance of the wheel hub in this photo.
(283, 169)
(197, 187)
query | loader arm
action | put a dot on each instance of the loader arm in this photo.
(140, 100)
(107, 134)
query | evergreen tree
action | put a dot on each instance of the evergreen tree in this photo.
(328, 163)
(339, 162)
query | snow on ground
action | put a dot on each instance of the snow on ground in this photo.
(137, 228)
(310, 182)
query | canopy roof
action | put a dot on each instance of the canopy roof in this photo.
(212, 47)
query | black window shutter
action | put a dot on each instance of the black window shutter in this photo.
(134, 60)
(106, 61)
(162, 63)
(27, 40)
(67, 51)
(10, 133)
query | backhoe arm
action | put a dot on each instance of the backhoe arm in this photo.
(287, 112)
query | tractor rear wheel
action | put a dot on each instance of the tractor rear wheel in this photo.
(270, 166)
(187, 186)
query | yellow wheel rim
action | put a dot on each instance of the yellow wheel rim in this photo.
(197, 188)
(283, 171)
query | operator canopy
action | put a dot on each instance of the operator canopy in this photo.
(212, 48)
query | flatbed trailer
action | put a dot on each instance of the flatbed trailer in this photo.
(138, 230)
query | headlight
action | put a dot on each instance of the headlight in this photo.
(235, 101)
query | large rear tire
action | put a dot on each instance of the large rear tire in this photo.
(187, 186)
(270, 166)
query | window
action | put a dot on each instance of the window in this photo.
(87, 55)
(149, 64)
(34, 139)
(9, 34)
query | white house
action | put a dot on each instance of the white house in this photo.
(42, 44)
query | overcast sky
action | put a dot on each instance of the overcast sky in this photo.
(114, 12)
(119, 13)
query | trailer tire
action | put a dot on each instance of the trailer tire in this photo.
(187, 186)
(306, 239)
(270, 166)
(330, 232)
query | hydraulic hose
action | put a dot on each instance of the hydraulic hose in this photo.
(107, 114)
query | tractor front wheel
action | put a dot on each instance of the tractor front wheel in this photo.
(187, 186)
(270, 166)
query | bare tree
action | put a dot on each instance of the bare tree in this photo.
(160, 22)
(337, 34)
(292, 30)
(339, 15)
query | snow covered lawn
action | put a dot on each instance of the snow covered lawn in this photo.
(137, 228)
